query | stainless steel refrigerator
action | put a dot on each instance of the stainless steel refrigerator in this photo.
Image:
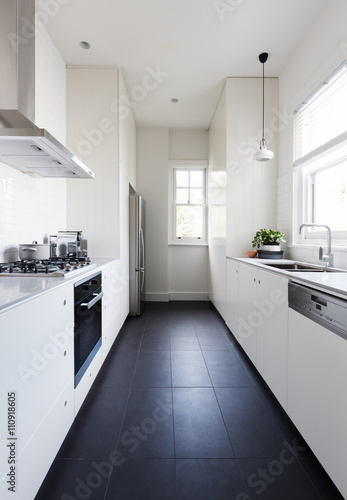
(137, 260)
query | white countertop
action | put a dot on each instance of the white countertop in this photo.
(16, 289)
(334, 282)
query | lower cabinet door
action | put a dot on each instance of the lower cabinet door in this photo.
(32, 462)
(317, 396)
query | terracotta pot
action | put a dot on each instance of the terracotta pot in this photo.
(252, 254)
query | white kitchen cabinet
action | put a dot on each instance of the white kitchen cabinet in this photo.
(262, 323)
(272, 332)
(37, 361)
(246, 332)
(93, 135)
(37, 456)
(317, 402)
(232, 296)
(242, 192)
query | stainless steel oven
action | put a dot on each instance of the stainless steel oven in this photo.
(87, 332)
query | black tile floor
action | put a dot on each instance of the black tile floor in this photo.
(177, 412)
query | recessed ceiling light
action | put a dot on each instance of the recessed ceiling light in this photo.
(85, 45)
(174, 100)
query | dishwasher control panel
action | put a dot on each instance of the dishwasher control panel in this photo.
(323, 308)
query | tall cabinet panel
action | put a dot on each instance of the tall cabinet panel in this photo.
(101, 129)
(217, 189)
(243, 192)
(93, 132)
(252, 185)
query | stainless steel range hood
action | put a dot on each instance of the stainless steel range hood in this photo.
(23, 145)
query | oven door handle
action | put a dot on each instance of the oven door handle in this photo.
(97, 297)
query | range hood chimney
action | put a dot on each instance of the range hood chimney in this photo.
(23, 145)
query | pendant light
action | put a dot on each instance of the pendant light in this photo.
(263, 154)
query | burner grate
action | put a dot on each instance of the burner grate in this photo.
(56, 266)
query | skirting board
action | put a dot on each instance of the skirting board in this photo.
(157, 297)
(166, 297)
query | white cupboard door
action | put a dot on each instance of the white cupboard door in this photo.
(232, 299)
(248, 317)
(317, 396)
(272, 309)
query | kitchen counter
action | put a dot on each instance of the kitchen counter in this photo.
(334, 282)
(15, 290)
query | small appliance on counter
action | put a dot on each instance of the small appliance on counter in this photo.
(66, 253)
(69, 244)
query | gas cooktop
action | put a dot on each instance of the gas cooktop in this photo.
(54, 267)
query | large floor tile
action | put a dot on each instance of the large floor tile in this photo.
(155, 340)
(225, 370)
(213, 342)
(118, 369)
(199, 428)
(143, 480)
(75, 479)
(153, 369)
(128, 341)
(252, 429)
(184, 343)
(208, 479)
(277, 478)
(189, 370)
(320, 479)
(94, 433)
(147, 430)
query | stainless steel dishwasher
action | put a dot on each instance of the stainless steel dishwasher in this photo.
(323, 308)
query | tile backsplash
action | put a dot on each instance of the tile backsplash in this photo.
(30, 209)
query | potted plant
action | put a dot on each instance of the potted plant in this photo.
(269, 240)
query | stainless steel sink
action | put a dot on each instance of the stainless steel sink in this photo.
(299, 268)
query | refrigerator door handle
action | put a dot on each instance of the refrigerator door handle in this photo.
(142, 260)
(142, 250)
(142, 279)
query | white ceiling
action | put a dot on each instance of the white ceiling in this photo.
(192, 45)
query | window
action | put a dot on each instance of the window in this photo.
(189, 204)
(320, 154)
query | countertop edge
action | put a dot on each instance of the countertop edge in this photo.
(10, 299)
(331, 284)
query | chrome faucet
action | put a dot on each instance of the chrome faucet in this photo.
(328, 258)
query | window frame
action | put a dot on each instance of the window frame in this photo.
(190, 165)
(325, 156)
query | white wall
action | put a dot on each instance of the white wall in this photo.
(188, 265)
(173, 272)
(323, 49)
(32, 209)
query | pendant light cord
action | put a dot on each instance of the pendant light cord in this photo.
(263, 104)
